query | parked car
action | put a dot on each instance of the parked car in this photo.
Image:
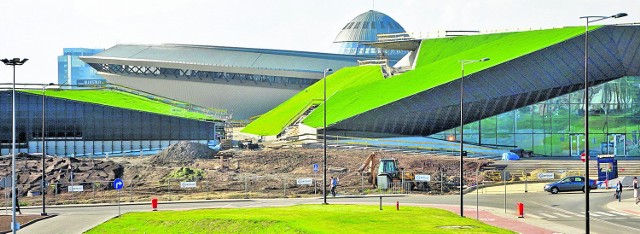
(571, 183)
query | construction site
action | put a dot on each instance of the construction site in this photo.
(187, 171)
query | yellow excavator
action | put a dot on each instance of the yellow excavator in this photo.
(387, 172)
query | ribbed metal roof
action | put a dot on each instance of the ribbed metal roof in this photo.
(366, 26)
(221, 56)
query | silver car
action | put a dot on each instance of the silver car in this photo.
(571, 183)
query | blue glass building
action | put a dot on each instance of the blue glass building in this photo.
(73, 71)
(365, 28)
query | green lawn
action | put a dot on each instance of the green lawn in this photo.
(123, 100)
(272, 122)
(438, 63)
(296, 219)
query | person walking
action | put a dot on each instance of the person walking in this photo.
(635, 189)
(333, 185)
(619, 190)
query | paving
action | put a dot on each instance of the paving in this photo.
(80, 218)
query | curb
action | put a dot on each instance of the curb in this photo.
(29, 223)
(366, 196)
(140, 203)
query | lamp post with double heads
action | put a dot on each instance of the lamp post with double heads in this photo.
(589, 19)
(324, 136)
(13, 62)
(462, 63)
(44, 153)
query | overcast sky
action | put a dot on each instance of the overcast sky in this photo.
(39, 29)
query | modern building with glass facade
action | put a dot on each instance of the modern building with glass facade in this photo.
(528, 95)
(82, 123)
(556, 127)
(246, 81)
(74, 72)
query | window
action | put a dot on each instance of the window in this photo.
(373, 25)
(349, 25)
(390, 25)
(357, 25)
(365, 25)
(381, 24)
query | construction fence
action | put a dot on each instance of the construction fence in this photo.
(247, 186)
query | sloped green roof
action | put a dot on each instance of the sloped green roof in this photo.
(272, 122)
(123, 100)
(437, 64)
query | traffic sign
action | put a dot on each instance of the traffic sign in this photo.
(315, 167)
(118, 184)
(5, 182)
(583, 156)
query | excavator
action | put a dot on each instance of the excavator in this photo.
(387, 173)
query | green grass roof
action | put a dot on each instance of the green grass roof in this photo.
(272, 122)
(123, 100)
(438, 63)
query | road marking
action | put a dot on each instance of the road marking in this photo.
(533, 216)
(548, 215)
(619, 213)
(579, 215)
(604, 213)
(594, 214)
(562, 215)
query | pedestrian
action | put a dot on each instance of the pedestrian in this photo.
(619, 190)
(333, 185)
(635, 189)
(17, 202)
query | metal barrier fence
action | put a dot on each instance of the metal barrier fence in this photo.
(247, 186)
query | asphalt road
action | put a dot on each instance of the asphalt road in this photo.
(563, 212)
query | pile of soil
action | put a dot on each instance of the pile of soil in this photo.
(182, 153)
(58, 170)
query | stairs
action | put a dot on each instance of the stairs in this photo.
(294, 129)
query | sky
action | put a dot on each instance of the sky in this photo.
(40, 29)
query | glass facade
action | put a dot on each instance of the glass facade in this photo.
(81, 129)
(365, 28)
(73, 71)
(556, 127)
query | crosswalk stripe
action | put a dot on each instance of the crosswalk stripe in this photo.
(562, 215)
(594, 214)
(548, 215)
(604, 213)
(579, 215)
(618, 213)
(532, 216)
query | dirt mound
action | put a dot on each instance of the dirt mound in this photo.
(61, 171)
(183, 152)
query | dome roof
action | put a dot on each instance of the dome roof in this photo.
(366, 27)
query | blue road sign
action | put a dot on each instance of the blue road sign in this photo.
(315, 167)
(118, 184)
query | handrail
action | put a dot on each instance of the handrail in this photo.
(298, 115)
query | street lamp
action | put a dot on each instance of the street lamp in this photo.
(462, 154)
(44, 152)
(589, 19)
(324, 136)
(13, 62)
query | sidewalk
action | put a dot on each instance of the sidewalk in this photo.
(497, 217)
(627, 205)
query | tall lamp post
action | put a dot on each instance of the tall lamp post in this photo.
(13, 62)
(324, 136)
(44, 152)
(589, 19)
(462, 154)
